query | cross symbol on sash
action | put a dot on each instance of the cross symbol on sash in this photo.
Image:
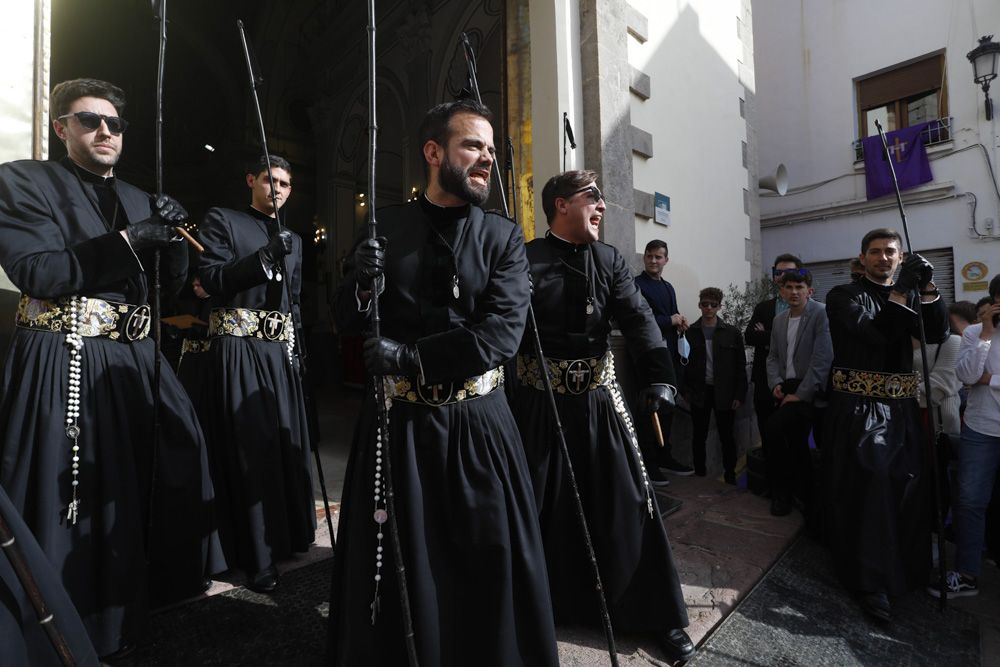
(273, 322)
(577, 375)
(138, 322)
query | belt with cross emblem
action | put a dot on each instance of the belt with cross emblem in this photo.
(568, 376)
(122, 322)
(412, 390)
(269, 325)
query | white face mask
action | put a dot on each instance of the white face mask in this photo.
(683, 348)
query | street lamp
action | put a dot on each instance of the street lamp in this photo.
(984, 66)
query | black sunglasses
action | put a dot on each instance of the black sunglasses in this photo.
(777, 273)
(708, 304)
(92, 121)
(593, 190)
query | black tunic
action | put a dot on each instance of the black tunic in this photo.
(472, 550)
(875, 480)
(54, 242)
(250, 402)
(633, 553)
(22, 639)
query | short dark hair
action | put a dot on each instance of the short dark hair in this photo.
(259, 165)
(787, 257)
(800, 276)
(995, 286)
(880, 233)
(436, 123)
(561, 185)
(964, 309)
(985, 301)
(656, 244)
(711, 293)
(65, 93)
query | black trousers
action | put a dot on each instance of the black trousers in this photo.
(789, 463)
(724, 419)
(764, 406)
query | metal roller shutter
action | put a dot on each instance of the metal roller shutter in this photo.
(827, 275)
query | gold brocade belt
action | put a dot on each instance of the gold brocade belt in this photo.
(270, 325)
(411, 390)
(875, 384)
(122, 322)
(568, 376)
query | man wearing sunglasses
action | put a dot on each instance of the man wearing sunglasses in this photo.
(580, 284)
(758, 334)
(877, 488)
(77, 409)
(253, 407)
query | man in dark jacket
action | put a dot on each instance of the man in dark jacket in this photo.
(758, 334)
(715, 379)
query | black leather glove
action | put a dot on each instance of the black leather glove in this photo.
(158, 229)
(276, 249)
(369, 261)
(384, 356)
(916, 272)
(656, 396)
(169, 210)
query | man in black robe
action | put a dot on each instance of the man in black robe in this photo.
(876, 483)
(580, 285)
(454, 294)
(76, 413)
(250, 400)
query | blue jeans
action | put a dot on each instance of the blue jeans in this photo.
(978, 461)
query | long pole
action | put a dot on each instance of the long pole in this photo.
(279, 227)
(383, 413)
(560, 434)
(160, 8)
(931, 427)
(8, 544)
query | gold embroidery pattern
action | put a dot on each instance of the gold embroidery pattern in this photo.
(195, 345)
(875, 384)
(269, 325)
(97, 317)
(405, 388)
(568, 376)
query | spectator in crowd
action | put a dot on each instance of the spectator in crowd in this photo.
(758, 334)
(961, 314)
(715, 380)
(798, 366)
(979, 448)
(662, 299)
(857, 269)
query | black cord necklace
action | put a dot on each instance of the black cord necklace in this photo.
(588, 276)
(114, 188)
(455, 291)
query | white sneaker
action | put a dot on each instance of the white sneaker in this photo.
(956, 586)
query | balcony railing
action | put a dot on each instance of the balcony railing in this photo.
(937, 132)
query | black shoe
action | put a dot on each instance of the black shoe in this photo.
(700, 472)
(206, 583)
(659, 484)
(730, 478)
(675, 467)
(877, 606)
(676, 644)
(264, 581)
(780, 506)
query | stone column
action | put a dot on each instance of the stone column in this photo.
(606, 115)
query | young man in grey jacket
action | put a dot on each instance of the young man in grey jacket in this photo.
(798, 365)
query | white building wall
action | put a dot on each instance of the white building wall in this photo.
(692, 55)
(808, 55)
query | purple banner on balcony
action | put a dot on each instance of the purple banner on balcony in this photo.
(909, 158)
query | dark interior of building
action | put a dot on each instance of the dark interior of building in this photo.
(311, 61)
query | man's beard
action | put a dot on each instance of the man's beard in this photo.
(457, 182)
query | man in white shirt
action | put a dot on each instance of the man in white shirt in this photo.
(798, 365)
(979, 451)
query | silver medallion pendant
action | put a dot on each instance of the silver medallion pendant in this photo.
(454, 287)
(277, 277)
(590, 307)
